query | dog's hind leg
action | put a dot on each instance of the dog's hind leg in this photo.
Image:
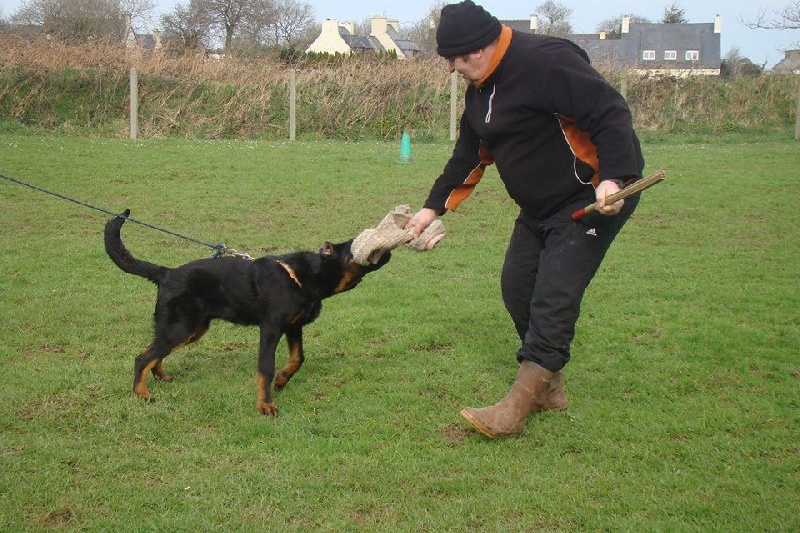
(266, 370)
(158, 370)
(150, 360)
(294, 338)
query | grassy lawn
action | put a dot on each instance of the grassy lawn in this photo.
(684, 385)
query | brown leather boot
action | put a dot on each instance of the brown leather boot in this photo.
(531, 392)
(555, 399)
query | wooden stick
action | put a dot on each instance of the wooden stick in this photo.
(633, 188)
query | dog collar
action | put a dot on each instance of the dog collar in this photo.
(291, 272)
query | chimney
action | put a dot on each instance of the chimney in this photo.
(534, 24)
(626, 24)
(379, 26)
(717, 24)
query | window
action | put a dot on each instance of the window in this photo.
(670, 55)
(648, 55)
(692, 55)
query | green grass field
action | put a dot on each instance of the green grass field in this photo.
(684, 383)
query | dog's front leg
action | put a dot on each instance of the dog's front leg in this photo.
(294, 338)
(266, 370)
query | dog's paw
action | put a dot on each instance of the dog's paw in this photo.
(268, 408)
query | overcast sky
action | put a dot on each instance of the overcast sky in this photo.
(760, 46)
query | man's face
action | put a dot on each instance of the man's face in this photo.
(468, 65)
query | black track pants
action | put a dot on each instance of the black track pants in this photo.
(548, 265)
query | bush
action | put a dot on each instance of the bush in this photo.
(57, 86)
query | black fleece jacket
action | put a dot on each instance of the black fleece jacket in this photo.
(550, 122)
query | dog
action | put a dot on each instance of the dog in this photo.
(279, 294)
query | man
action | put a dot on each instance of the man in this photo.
(562, 138)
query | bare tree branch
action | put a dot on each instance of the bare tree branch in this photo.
(787, 18)
(554, 18)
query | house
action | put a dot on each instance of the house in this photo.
(670, 49)
(790, 64)
(336, 38)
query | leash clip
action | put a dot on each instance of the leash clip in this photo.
(220, 250)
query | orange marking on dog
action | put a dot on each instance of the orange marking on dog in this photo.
(290, 369)
(345, 282)
(158, 372)
(141, 389)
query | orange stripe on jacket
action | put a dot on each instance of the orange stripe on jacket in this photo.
(503, 42)
(465, 189)
(581, 145)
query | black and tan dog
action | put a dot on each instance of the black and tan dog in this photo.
(279, 294)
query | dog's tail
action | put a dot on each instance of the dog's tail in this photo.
(123, 258)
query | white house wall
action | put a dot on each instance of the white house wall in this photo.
(329, 40)
(379, 32)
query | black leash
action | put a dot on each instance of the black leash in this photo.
(219, 249)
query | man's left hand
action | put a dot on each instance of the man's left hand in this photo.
(604, 189)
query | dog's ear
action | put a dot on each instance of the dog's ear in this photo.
(327, 250)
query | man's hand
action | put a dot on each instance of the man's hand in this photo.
(421, 220)
(603, 190)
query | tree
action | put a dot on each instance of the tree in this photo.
(553, 18)
(423, 32)
(186, 28)
(787, 18)
(83, 19)
(283, 25)
(674, 14)
(735, 65)
(140, 12)
(613, 26)
(234, 16)
(291, 19)
(73, 19)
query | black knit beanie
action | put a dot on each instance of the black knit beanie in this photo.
(464, 28)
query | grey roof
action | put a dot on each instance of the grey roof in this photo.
(606, 51)
(356, 42)
(403, 44)
(518, 25)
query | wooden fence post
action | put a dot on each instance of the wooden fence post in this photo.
(292, 103)
(623, 89)
(453, 104)
(134, 103)
(797, 113)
